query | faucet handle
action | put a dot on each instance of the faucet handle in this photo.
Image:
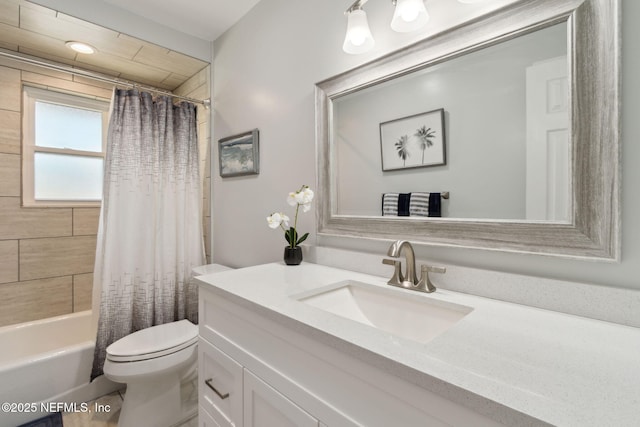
(425, 284)
(396, 279)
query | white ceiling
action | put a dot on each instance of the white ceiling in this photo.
(205, 19)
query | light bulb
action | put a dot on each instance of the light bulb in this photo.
(409, 15)
(358, 38)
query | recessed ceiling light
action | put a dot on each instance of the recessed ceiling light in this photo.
(81, 47)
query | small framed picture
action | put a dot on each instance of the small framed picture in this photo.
(413, 142)
(239, 154)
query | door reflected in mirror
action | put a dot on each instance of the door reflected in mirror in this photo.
(506, 121)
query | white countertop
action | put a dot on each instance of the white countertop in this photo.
(558, 368)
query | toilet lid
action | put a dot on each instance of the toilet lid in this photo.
(154, 342)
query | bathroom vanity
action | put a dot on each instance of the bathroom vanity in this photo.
(322, 346)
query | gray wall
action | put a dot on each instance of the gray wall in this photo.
(265, 68)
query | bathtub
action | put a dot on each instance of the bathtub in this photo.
(47, 360)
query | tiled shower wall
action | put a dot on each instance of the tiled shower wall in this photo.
(199, 87)
(47, 254)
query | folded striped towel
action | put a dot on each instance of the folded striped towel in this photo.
(419, 204)
(411, 204)
(390, 204)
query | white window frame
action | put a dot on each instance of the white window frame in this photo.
(30, 96)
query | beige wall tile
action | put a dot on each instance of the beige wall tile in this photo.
(203, 133)
(207, 159)
(9, 12)
(21, 66)
(85, 221)
(195, 87)
(43, 80)
(108, 42)
(26, 4)
(164, 59)
(59, 53)
(36, 299)
(93, 82)
(31, 43)
(9, 175)
(10, 132)
(8, 261)
(9, 89)
(204, 157)
(206, 197)
(56, 256)
(8, 46)
(82, 291)
(21, 223)
(206, 225)
(173, 80)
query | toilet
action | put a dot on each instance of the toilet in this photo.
(154, 363)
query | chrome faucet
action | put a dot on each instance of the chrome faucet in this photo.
(409, 280)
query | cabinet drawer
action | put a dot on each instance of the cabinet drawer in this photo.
(220, 385)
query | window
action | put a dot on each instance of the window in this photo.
(63, 148)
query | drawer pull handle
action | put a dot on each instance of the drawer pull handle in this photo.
(220, 395)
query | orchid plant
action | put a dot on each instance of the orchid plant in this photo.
(302, 197)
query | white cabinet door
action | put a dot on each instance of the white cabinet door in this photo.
(266, 407)
(548, 151)
(220, 385)
(205, 419)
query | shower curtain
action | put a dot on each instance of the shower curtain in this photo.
(150, 230)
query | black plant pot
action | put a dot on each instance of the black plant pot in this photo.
(292, 256)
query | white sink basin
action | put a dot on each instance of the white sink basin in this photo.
(405, 313)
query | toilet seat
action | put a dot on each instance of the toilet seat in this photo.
(154, 342)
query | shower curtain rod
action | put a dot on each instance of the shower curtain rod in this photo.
(95, 76)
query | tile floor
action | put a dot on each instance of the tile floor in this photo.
(113, 401)
(96, 418)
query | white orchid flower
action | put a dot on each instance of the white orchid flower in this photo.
(285, 220)
(306, 207)
(307, 196)
(276, 219)
(291, 199)
(299, 197)
(303, 196)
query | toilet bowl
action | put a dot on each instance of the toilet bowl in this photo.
(154, 363)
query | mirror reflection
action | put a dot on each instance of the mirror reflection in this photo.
(501, 149)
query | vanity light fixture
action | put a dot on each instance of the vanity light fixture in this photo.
(80, 47)
(409, 15)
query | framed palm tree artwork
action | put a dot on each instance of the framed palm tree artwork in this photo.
(413, 142)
